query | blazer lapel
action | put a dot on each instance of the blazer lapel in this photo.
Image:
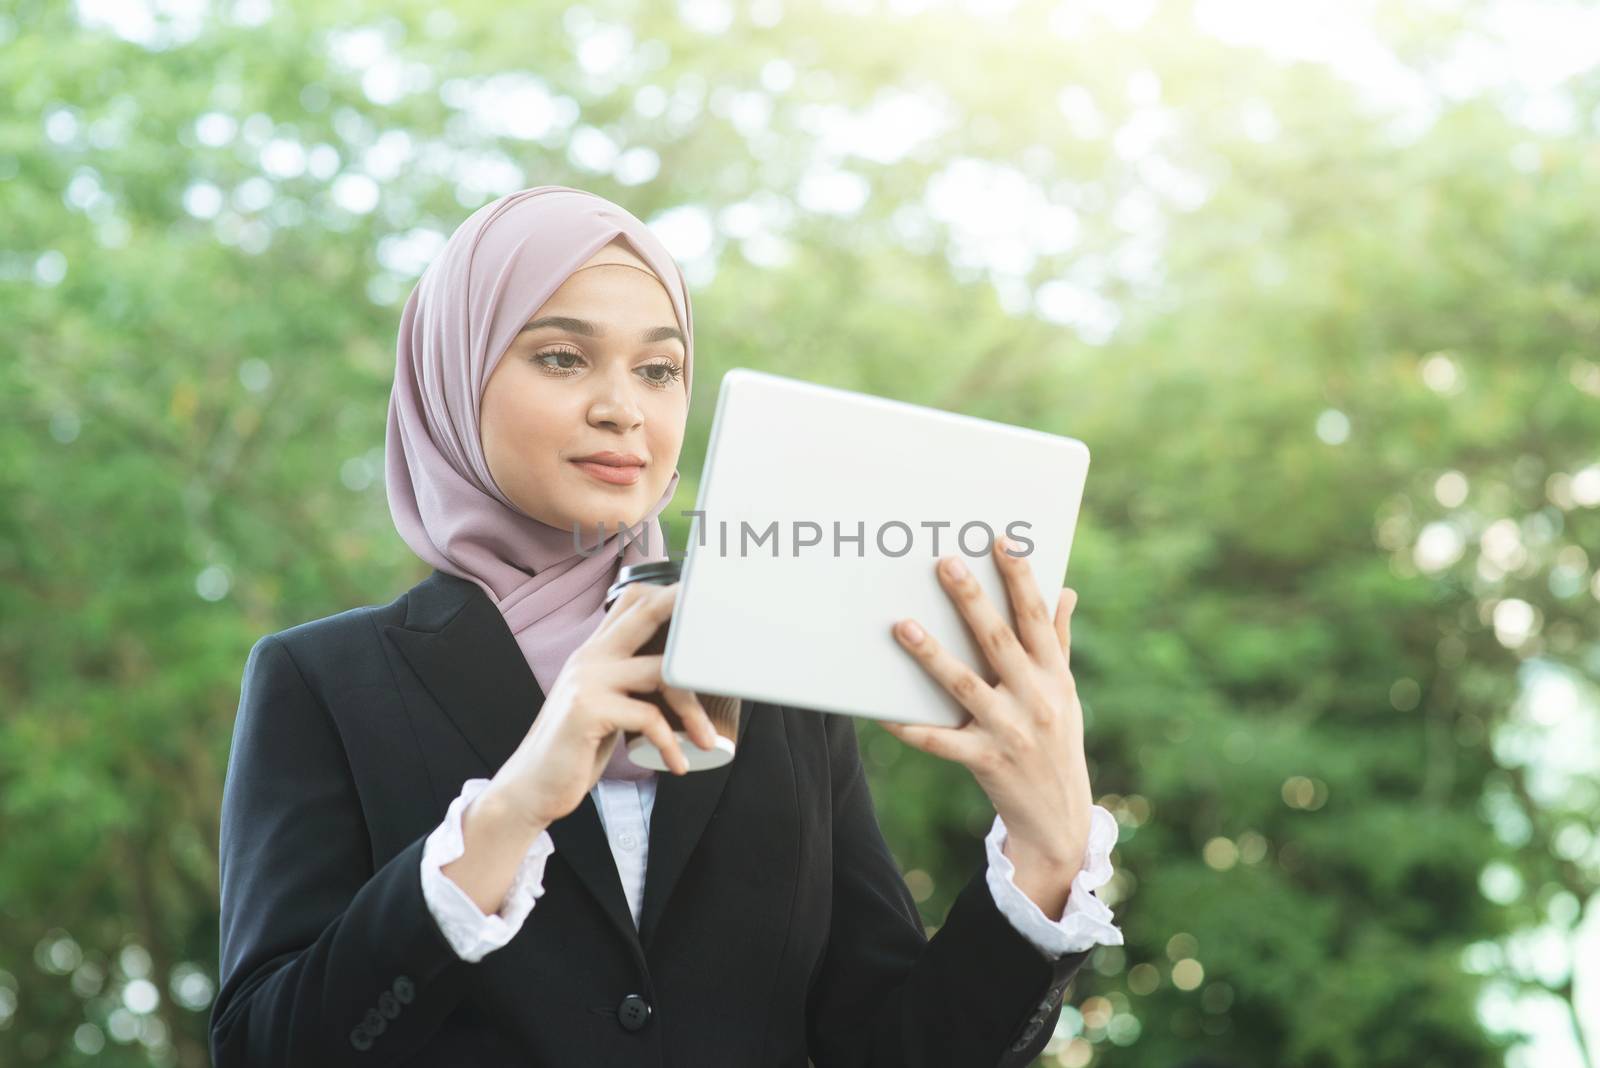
(683, 807)
(459, 645)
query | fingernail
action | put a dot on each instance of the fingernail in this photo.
(911, 632)
(955, 568)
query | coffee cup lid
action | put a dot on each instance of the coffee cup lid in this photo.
(663, 572)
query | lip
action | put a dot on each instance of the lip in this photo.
(611, 459)
(616, 475)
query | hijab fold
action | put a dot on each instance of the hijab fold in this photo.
(493, 274)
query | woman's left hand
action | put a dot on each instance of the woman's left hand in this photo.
(1024, 742)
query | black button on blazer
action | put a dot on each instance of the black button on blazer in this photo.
(776, 929)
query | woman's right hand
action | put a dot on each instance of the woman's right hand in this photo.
(590, 704)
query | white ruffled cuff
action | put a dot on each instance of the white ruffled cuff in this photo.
(470, 933)
(1087, 920)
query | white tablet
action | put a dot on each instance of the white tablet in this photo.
(821, 515)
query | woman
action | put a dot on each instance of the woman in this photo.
(433, 846)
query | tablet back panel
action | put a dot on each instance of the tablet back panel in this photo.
(780, 601)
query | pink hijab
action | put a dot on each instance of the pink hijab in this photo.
(495, 272)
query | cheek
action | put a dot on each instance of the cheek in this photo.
(521, 425)
(667, 416)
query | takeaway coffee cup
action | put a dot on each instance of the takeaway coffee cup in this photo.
(723, 711)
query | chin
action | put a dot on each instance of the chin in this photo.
(614, 517)
(587, 506)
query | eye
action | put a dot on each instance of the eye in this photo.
(660, 375)
(558, 353)
(667, 373)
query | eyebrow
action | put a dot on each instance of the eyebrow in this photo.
(588, 329)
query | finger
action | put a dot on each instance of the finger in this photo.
(642, 716)
(642, 674)
(948, 743)
(659, 731)
(628, 713)
(637, 621)
(1029, 610)
(1064, 606)
(964, 684)
(635, 674)
(994, 635)
(624, 601)
(687, 704)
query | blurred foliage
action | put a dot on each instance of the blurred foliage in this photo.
(1335, 368)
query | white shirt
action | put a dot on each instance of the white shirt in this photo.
(624, 806)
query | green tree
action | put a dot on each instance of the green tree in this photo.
(1336, 372)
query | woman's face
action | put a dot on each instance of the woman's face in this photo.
(607, 377)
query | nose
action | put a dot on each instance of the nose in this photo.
(614, 406)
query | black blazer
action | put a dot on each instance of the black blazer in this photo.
(776, 926)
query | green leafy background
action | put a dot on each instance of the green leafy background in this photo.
(1335, 359)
